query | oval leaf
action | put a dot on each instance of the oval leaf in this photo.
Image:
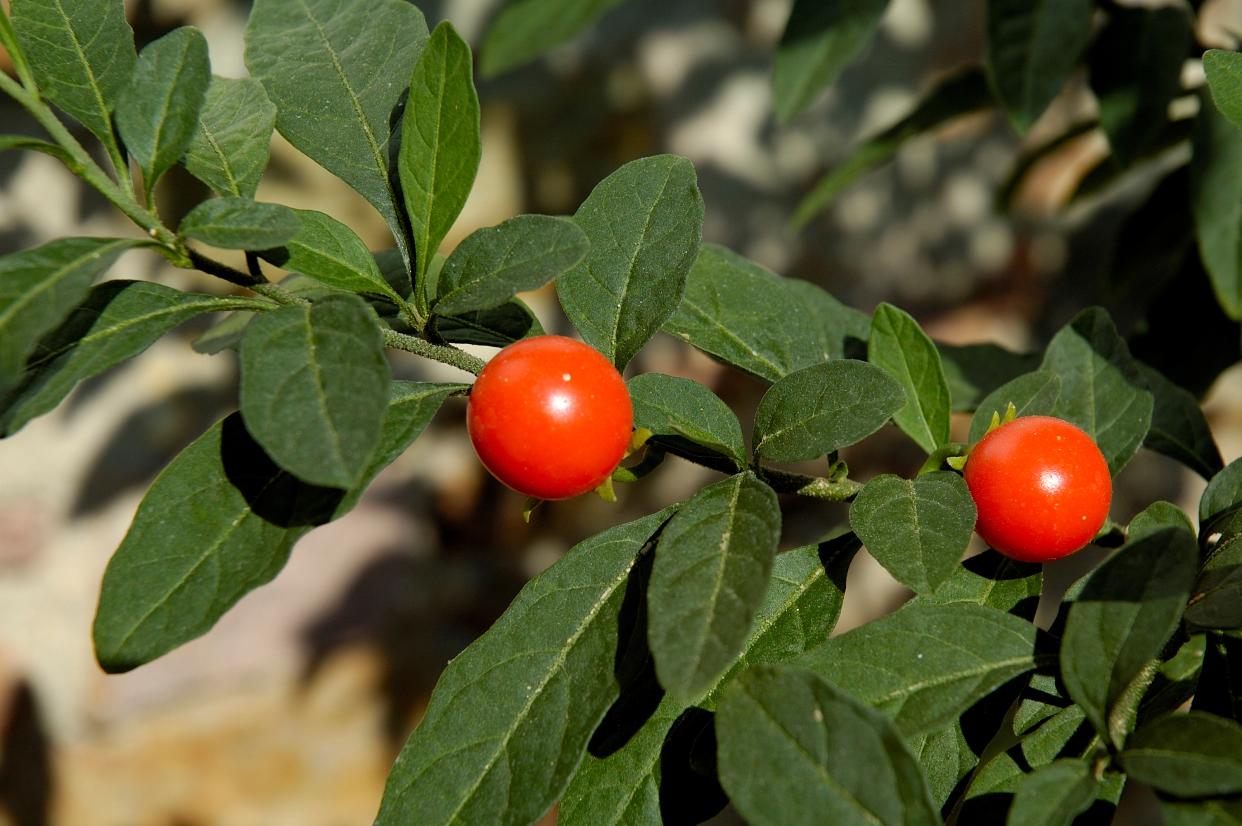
(1215, 183)
(1031, 394)
(917, 529)
(526, 29)
(794, 750)
(157, 113)
(1032, 49)
(497, 327)
(1188, 755)
(229, 148)
(684, 409)
(819, 409)
(239, 224)
(711, 571)
(511, 715)
(644, 223)
(313, 386)
(326, 250)
(336, 70)
(494, 264)
(898, 345)
(1179, 429)
(927, 663)
(1217, 600)
(995, 581)
(1053, 795)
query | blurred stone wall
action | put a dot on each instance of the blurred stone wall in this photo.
(291, 709)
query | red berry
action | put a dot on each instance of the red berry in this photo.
(1041, 486)
(550, 417)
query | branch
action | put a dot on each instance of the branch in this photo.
(443, 353)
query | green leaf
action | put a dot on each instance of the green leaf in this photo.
(8, 142)
(225, 334)
(819, 409)
(1217, 599)
(40, 286)
(644, 223)
(1224, 77)
(755, 320)
(995, 581)
(1215, 184)
(975, 370)
(820, 40)
(526, 29)
(497, 327)
(898, 345)
(157, 114)
(229, 148)
(510, 716)
(1223, 812)
(1121, 620)
(1032, 394)
(82, 52)
(1101, 388)
(1053, 795)
(1156, 517)
(927, 663)
(1032, 49)
(440, 145)
(313, 385)
(218, 522)
(801, 607)
(239, 224)
(946, 759)
(1178, 427)
(680, 408)
(711, 572)
(494, 264)
(1136, 66)
(1189, 755)
(336, 70)
(326, 250)
(794, 750)
(959, 95)
(118, 320)
(917, 529)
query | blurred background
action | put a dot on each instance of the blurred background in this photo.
(291, 710)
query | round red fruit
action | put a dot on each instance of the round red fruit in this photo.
(1041, 486)
(550, 417)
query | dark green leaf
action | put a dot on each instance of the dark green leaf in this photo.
(336, 69)
(958, 95)
(945, 757)
(801, 607)
(975, 370)
(1220, 506)
(711, 572)
(1178, 427)
(1101, 389)
(40, 286)
(1216, 200)
(495, 263)
(118, 320)
(927, 663)
(1224, 812)
(1136, 66)
(1224, 77)
(440, 146)
(1217, 600)
(314, 381)
(497, 327)
(526, 29)
(1032, 49)
(917, 529)
(218, 522)
(239, 224)
(794, 750)
(644, 223)
(229, 148)
(755, 320)
(1126, 611)
(1189, 755)
(82, 52)
(157, 114)
(819, 409)
(225, 334)
(326, 250)
(1031, 394)
(511, 715)
(1156, 517)
(820, 40)
(996, 581)
(8, 142)
(1053, 795)
(681, 408)
(899, 346)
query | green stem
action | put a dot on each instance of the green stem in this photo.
(442, 353)
(653, 457)
(8, 39)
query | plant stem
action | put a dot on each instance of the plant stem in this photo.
(8, 38)
(443, 353)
